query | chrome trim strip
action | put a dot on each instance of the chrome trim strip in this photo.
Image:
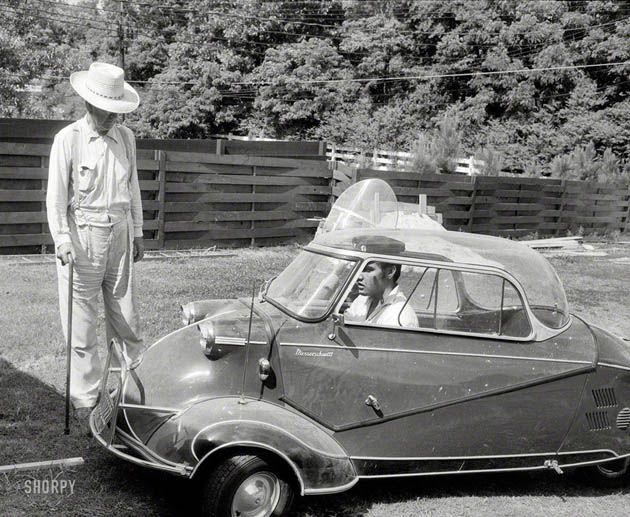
(331, 490)
(150, 408)
(478, 471)
(436, 352)
(254, 444)
(596, 462)
(437, 458)
(617, 366)
(256, 422)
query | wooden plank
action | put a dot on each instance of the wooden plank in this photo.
(38, 465)
(22, 217)
(150, 205)
(176, 156)
(22, 195)
(196, 226)
(236, 179)
(322, 190)
(13, 148)
(149, 185)
(246, 215)
(238, 197)
(147, 165)
(454, 200)
(232, 233)
(23, 173)
(598, 219)
(25, 240)
(521, 207)
(151, 244)
(151, 224)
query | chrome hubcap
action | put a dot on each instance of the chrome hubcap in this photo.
(257, 496)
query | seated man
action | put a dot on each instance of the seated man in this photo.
(380, 300)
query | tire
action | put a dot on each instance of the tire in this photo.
(224, 491)
(612, 474)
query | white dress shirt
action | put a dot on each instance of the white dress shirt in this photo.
(106, 175)
(387, 311)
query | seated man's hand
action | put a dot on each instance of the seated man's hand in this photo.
(138, 249)
(65, 253)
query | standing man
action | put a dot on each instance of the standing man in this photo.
(95, 218)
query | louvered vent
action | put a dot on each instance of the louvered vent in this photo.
(605, 397)
(623, 419)
(598, 420)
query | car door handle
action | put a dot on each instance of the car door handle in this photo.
(373, 402)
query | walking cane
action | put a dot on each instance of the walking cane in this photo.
(69, 344)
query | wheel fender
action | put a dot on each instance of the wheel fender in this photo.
(317, 460)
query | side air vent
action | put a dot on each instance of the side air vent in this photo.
(623, 419)
(605, 397)
(598, 420)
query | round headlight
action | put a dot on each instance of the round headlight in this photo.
(208, 338)
(187, 314)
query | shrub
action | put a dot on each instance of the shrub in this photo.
(423, 156)
(438, 150)
(488, 162)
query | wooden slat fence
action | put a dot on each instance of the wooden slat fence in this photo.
(507, 206)
(193, 199)
(189, 199)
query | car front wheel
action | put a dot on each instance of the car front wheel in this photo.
(246, 486)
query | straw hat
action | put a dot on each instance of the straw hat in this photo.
(104, 86)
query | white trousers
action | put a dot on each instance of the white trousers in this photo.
(103, 262)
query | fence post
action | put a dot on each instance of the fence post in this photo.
(161, 158)
(42, 206)
(563, 186)
(471, 210)
(220, 147)
(252, 225)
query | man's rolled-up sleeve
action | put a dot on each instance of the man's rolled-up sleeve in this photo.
(57, 190)
(136, 199)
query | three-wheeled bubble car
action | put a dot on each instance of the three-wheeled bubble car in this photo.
(284, 394)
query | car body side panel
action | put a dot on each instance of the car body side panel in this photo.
(440, 385)
(319, 461)
(515, 423)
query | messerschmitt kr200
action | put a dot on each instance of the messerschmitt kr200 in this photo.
(264, 398)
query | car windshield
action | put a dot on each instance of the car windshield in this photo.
(309, 284)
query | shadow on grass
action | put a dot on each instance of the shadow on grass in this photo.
(568, 488)
(31, 429)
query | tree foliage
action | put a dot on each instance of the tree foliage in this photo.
(366, 74)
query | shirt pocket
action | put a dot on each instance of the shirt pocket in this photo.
(122, 172)
(87, 176)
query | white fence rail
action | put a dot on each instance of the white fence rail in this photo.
(377, 159)
(384, 160)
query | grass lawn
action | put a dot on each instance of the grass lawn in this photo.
(32, 376)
